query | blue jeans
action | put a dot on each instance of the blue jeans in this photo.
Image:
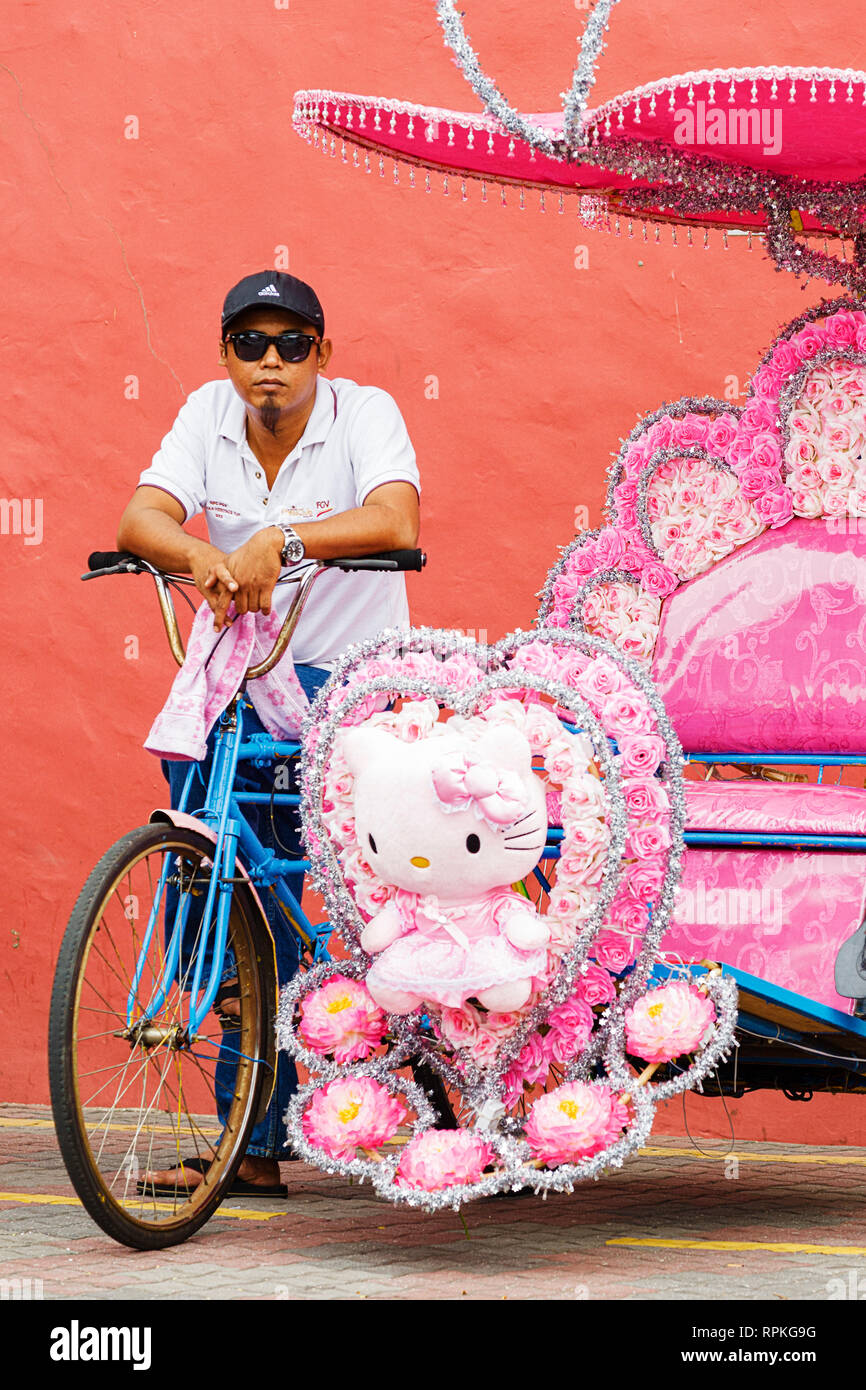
(268, 1139)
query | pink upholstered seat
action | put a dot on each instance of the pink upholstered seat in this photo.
(768, 807)
(766, 651)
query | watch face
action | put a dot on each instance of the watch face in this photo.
(293, 550)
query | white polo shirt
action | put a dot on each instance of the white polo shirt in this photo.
(354, 441)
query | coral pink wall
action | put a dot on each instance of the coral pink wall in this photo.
(118, 251)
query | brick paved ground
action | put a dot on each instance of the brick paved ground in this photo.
(333, 1240)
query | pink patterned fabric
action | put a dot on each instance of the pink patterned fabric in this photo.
(778, 914)
(787, 808)
(446, 957)
(210, 677)
(766, 652)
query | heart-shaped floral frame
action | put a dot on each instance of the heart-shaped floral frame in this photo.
(594, 689)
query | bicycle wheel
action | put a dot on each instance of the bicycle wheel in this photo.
(132, 1092)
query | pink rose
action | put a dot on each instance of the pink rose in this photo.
(660, 435)
(807, 502)
(757, 478)
(647, 840)
(600, 680)
(690, 430)
(614, 952)
(658, 579)
(785, 359)
(641, 754)
(645, 796)
(744, 528)
(836, 470)
(805, 452)
(625, 713)
(768, 382)
(644, 881)
(816, 389)
(596, 985)
(609, 548)
(628, 915)
(721, 434)
(639, 641)
(805, 420)
(757, 417)
(835, 503)
(576, 867)
(538, 658)
(808, 342)
(841, 330)
(840, 403)
(533, 1062)
(775, 508)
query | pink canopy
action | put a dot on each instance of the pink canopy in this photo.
(777, 152)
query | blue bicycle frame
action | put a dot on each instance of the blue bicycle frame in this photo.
(222, 813)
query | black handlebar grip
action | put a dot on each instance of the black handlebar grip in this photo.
(389, 560)
(107, 559)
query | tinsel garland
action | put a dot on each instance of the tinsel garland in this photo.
(478, 1084)
(658, 457)
(576, 99)
(674, 410)
(597, 581)
(826, 307)
(684, 188)
(517, 1169)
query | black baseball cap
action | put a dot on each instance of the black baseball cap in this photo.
(273, 289)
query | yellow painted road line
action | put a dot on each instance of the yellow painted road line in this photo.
(49, 1124)
(840, 1158)
(775, 1247)
(49, 1199)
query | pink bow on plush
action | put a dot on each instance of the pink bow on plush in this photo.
(495, 796)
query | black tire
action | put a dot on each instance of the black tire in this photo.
(142, 1057)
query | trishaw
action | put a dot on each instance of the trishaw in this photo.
(650, 760)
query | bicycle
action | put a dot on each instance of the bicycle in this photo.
(155, 1078)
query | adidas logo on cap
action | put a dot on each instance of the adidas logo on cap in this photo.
(270, 290)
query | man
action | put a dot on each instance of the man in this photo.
(286, 465)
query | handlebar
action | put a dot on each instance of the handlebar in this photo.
(104, 562)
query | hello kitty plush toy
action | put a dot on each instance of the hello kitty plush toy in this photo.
(450, 821)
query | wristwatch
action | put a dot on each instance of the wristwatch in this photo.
(293, 551)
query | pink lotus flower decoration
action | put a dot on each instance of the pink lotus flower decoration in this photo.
(668, 1022)
(574, 1122)
(341, 1019)
(443, 1158)
(357, 1112)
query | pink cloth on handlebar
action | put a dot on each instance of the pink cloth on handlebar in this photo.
(210, 677)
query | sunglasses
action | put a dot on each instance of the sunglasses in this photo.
(252, 346)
